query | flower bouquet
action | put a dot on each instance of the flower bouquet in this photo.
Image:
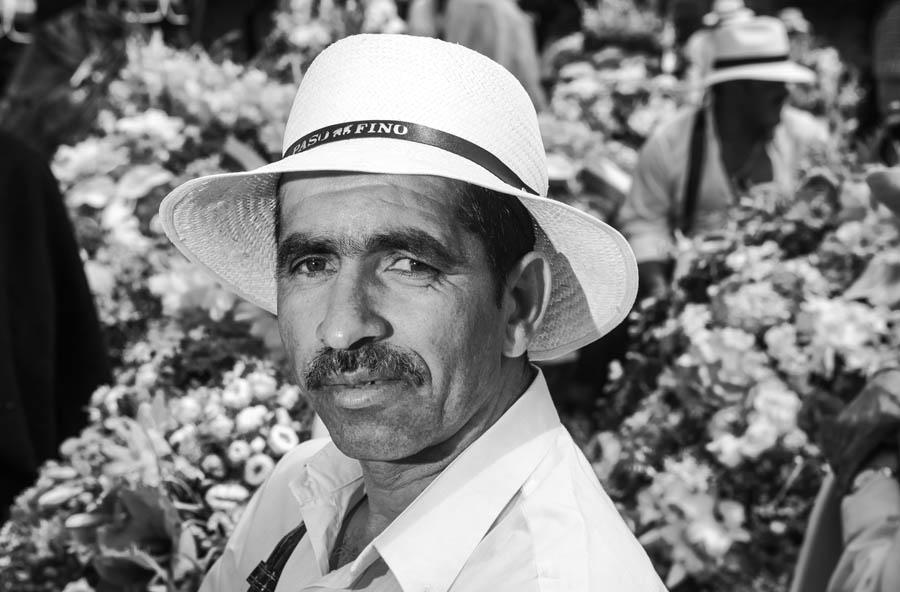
(728, 383)
(146, 496)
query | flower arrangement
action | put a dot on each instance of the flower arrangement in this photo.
(770, 330)
(146, 496)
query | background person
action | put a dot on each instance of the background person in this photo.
(852, 542)
(52, 354)
(498, 29)
(691, 169)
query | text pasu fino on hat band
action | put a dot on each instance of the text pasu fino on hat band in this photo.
(410, 132)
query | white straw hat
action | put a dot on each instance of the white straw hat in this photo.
(755, 49)
(411, 105)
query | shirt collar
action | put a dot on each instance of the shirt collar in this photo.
(461, 503)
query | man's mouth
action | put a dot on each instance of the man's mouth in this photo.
(359, 379)
(359, 390)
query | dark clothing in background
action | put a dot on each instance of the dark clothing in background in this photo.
(52, 355)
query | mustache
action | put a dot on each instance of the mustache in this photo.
(381, 360)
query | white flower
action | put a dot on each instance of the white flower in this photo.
(140, 180)
(58, 496)
(146, 375)
(755, 306)
(94, 191)
(711, 536)
(220, 427)
(122, 226)
(727, 449)
(183, 434)
(238, 452)
(238, 394)
(258, 444)
(795, 439)
(213, 466)
(761, 435)
(100, 278)
(250, 419)
(283, 417)
(186, 286)
(780, 405)
(282, 439)
(186, 410)
(258, 469)
(288, 396)
(93, 156)
(156, 125)
(226, 496)
(733, 514)
(213, 407)
(263, 385)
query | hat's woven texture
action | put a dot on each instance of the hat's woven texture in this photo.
(226, 222)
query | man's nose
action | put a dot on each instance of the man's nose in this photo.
(350, 319)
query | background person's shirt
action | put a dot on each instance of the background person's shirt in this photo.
(656, 198)
(871, 529)
(500, 30)
(520, 510)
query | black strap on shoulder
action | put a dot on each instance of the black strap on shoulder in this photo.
(694, 172)
(264, 578)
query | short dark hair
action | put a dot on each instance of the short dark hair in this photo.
(504, 226)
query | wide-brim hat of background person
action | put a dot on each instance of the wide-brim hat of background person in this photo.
(407, 105)
(755, 49)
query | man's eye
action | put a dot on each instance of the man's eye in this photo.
(310, 266)
(411, 267)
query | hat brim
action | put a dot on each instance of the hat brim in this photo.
(225, 223)
(885, 186)
(786, 71)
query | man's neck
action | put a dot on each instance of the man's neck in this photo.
(392, 486)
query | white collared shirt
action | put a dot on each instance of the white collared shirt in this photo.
(519, 510)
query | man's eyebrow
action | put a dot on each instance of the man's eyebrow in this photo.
(417, 243)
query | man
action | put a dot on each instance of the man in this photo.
(692, 168)
(418, 267)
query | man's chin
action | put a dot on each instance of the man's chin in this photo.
(374, 445)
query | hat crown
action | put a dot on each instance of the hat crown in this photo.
(427, 82)
(759, 37)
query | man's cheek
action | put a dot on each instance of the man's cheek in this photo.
(296, 336)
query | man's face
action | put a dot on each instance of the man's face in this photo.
(388, 311)
(763, 102)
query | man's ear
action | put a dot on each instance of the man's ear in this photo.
(525, 301)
